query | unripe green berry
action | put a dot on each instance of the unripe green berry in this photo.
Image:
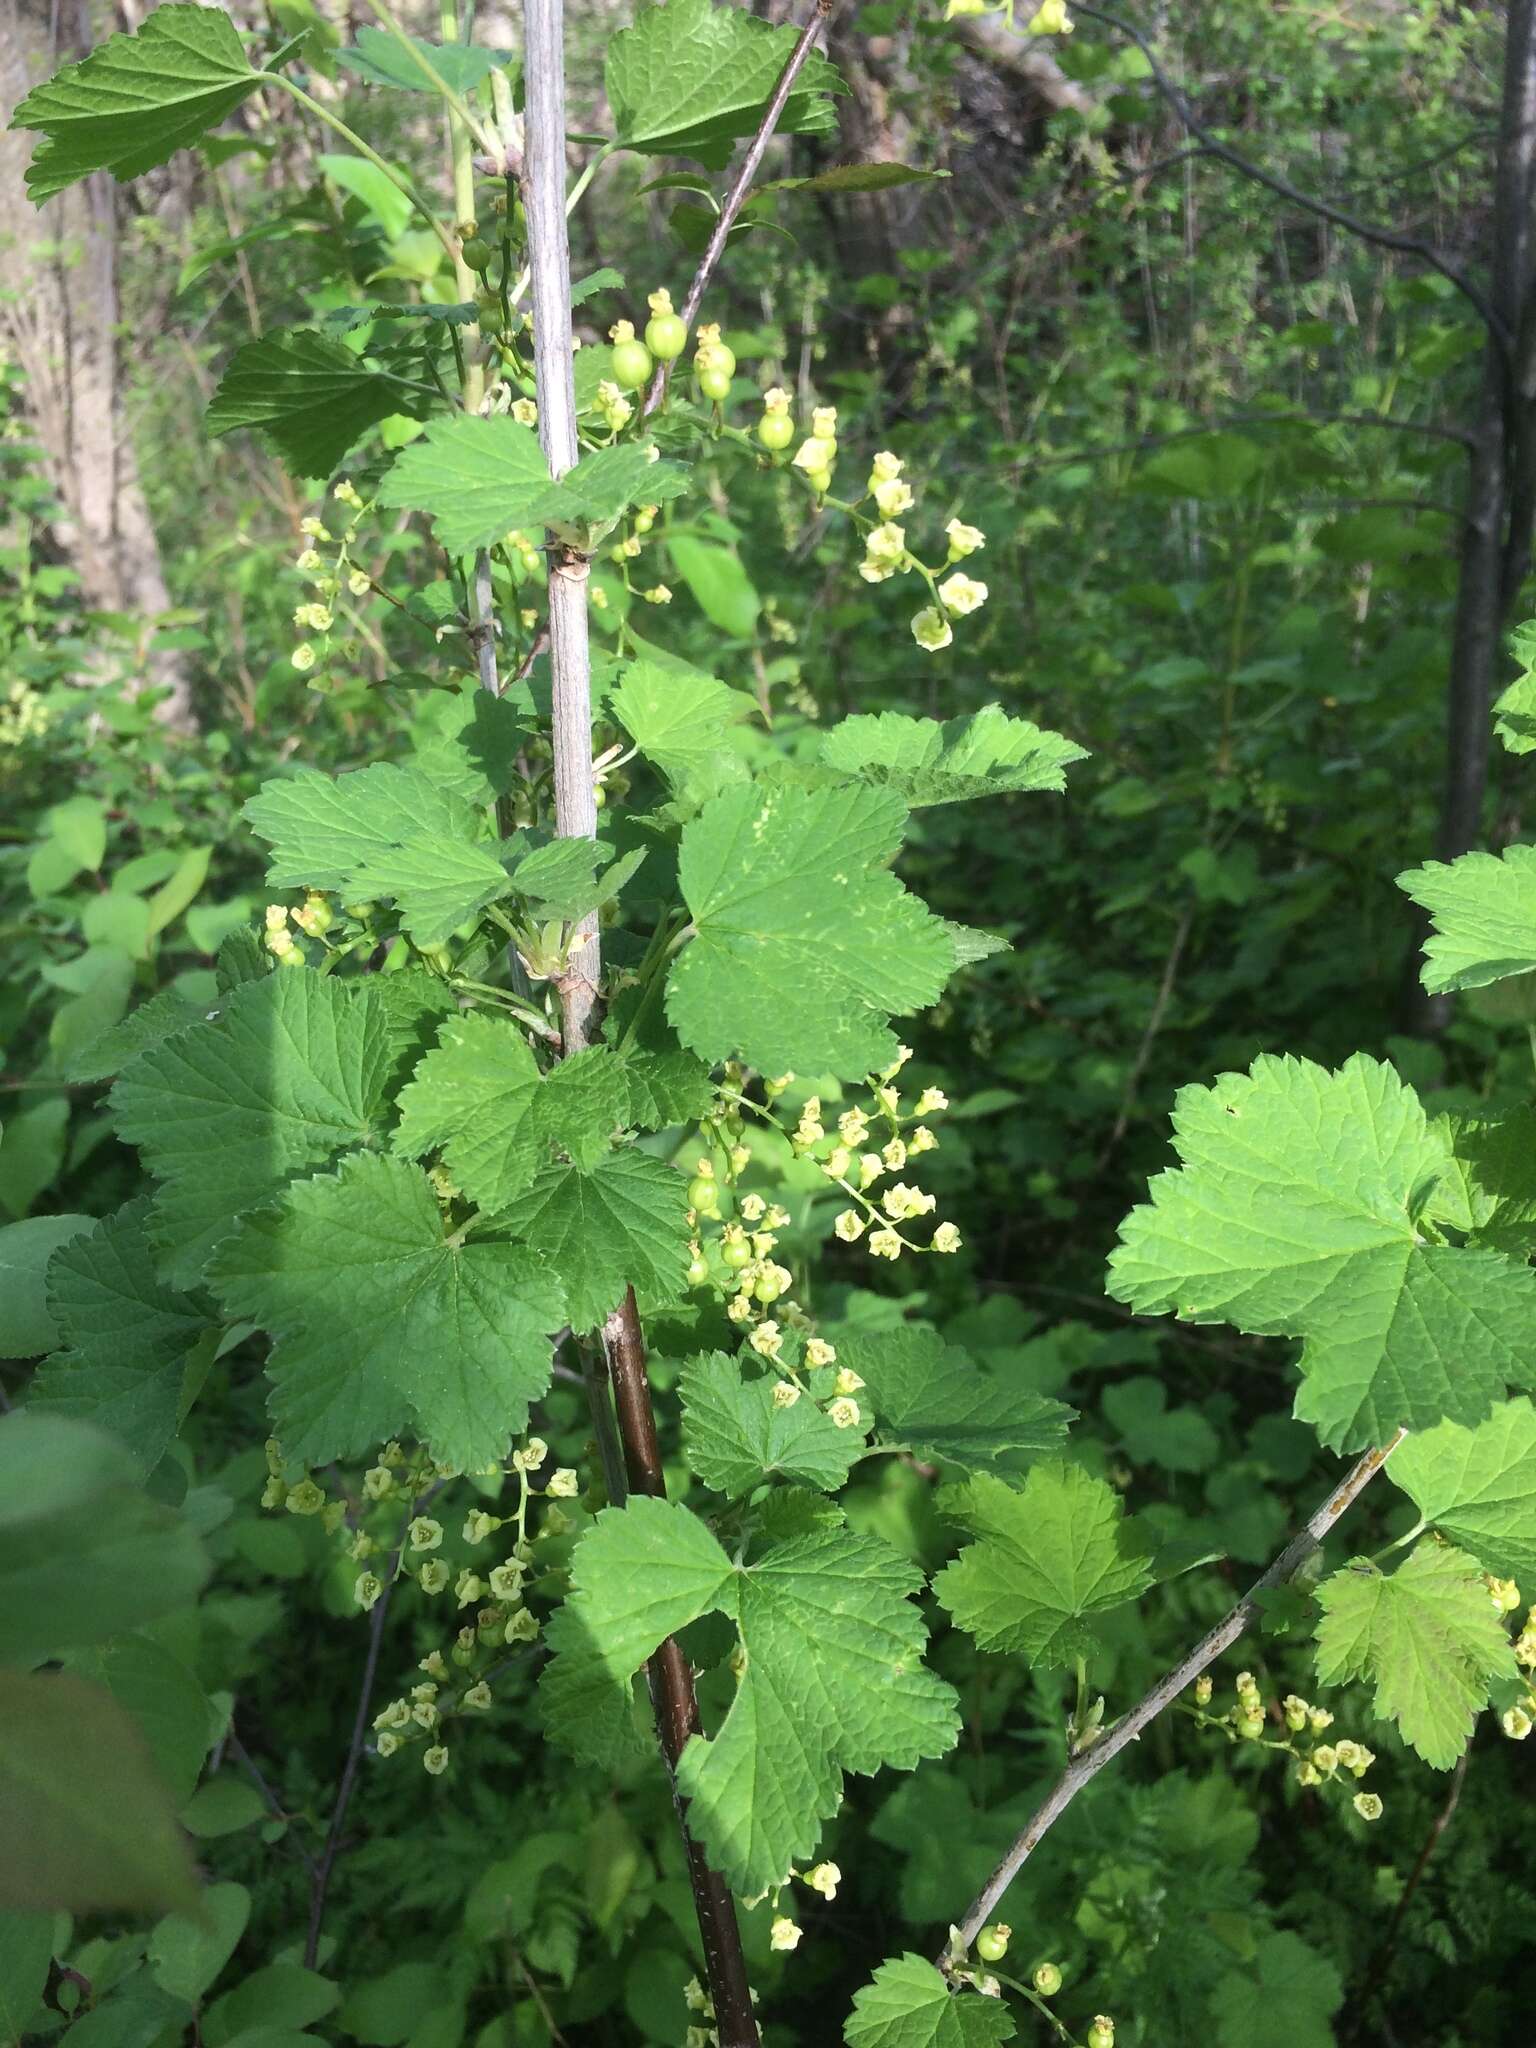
(715, 384)
(992, 1943)
(698, 1272)
(477, 253)
(632, 364)
(703, 1194)
(666, 337)
(736, 1252)
(1047, 1980)
(775, 430)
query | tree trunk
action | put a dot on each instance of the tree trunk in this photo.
(60, 313)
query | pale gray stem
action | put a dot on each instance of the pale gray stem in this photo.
(1090, 1762)
(569, 655)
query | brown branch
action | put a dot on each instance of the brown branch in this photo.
(1366, 231)
(1086, 1766)
(1438, 1826)
(741, 185)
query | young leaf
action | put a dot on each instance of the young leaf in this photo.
(1478, 1486)
(665, 1088)
(1043, 1562)
(134, 1351)
(620, 1223)
(481, 1101)
(480, 479)
(806, 943)
(1179, 1439)
(681, 721)
(931, 1400)
(832, 1680)
(295, 1069)
(1483, 909)
(924, 762)
(66, 1847)
(691, 77)
(383, 831)
(136, 99)
(908, 2004)
(1428, 1637)
(1295, 1213)
(311, 397)
(736, 1436)
(386, 1320)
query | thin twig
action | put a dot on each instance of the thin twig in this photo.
(325, 1862)
(1438, 1826)
(1367, 231)
(1086, 1766)
(741, 185)
(1149, 1037)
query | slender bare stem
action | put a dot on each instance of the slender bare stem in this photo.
(1087, 1765)
(741, 185)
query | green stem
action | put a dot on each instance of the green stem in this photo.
(573, 199)
(400, 183)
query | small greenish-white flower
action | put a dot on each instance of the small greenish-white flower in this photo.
(963, 540)
(766, 1340)
(433, 1576)
(433, 1665)
(1504, 1593)
(902, 1200)
(814, 454)
(824, 1878)
(303, 657)
(309, 562)
(930, 1100)
(1202, 1690)
(478, 1525)
(1348, 1754)
(313, 529)
(695, 1997)
(531, 1456)
(1296, 1710)
(1367, 1805)
(468, 1588)
(614, 407)
(893, 497)
(358, 582)
(784, 1933)
(564, 1484)
(886, 543)
(931, 630)
(1515, 1722)
(506, 1581)
(362, 1546)
(844, 1412)
(435, 1760)
(1326, 1758)
(837, 1162)
(885, 468)
(305, 1499)
(919, 1141)
(740, 1158)
(894, 1155)
(425, 1714)
(386, 1745)
(1308, 1774)
(871, 1166)
(753, 1208)
(378, 1482)
(962, 594)
(1319, 1718)
(819, 1352)
(849, 1226)
(523, 1627)
(785, 1394)
(884, 1244)
(847, 1381)
(478, 1697)
(657, 594)
(396, 1715)
(368, 1590)
(959, 7)
(1051, 18)
(525, 412)
(739, 1309)
(425, 1534)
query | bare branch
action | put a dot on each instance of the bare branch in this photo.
(741, 185)
(1086, 1766)
(1367, 231)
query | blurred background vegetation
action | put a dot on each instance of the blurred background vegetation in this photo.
(1256, 492)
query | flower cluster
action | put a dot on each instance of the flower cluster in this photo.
(1050, 18)
(865, 1146)
(1517, 1721)
(1317, 1763)
(329, 577)
(23, 716)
